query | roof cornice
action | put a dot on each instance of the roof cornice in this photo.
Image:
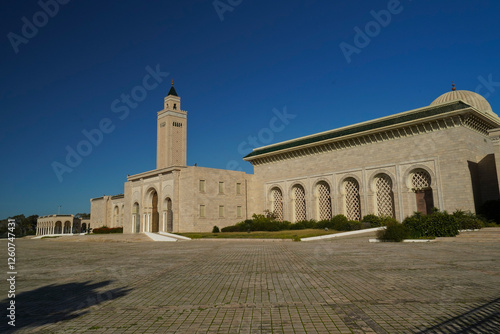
(386, 128)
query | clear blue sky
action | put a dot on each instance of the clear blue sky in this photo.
(232, 67)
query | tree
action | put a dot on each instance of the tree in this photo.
(83, 215)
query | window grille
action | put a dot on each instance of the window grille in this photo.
(420, 179)
(324, 201)
(385, 196)
(277, 203)
(353, 202)
(299, 203)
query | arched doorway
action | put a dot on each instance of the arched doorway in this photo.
(169, 214)
(58, 228)
(67, 228)
(84, 227)
(421, 185)
(155, 226)
(136, 221)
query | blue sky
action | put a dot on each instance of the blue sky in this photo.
(236, 65)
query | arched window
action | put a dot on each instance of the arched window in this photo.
(168, 214)
(117, 217)
(299, 203)
(421, 184)
(323, 201)
(352, 199)
(385, 195)
(277, 203)
(136, 221)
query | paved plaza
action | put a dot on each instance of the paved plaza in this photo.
(128, 284)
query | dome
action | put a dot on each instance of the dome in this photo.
(471, 98)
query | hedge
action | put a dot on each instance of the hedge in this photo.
(107, 230)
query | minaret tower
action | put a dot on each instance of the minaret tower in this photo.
(171, 132)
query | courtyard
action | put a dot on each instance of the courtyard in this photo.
(128, 284)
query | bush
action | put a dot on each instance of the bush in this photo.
(394, 232)
(304, 224)
(372, 219)
(354, 225)
(232, 228)
(437, 224)
(215, 229)
(107, 230)
(386, 220)
(468, 220)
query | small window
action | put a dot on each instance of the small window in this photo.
(202, 186)
(175, 106)
(202, 211)
(221, 211)
(238, 211)
(238, 188)
(221, 187)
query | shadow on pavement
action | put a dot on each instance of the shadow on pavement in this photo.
(482, 319)
(53, 303)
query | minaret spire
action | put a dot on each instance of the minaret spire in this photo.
(172, 90)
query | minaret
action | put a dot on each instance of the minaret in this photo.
(171, 132)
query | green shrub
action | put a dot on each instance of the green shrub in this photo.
(437, 224)
(372, 219)
(442, 224)
(339, 223)
(215, 229)
(304, 224)
(468, 220)
(354, 225)
(107, 230)
(394, 232)
(386, 220)
(232, 228)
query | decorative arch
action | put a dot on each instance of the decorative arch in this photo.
(323, 200)
(151, 207)
(58, 228)
(168, 215)
(67, 227)
(382, 185)
(298, 195)
(352, 199)
(276, 196)
(420, 182)
(136, 218)
(116, 216)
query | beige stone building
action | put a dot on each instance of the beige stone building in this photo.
(445, 155)
(60, 224)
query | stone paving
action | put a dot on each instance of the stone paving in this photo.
(122, 284)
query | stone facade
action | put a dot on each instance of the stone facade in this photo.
(445, 155)
(447, 143)
(60, 224)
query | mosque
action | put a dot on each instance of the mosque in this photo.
(444, 155)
